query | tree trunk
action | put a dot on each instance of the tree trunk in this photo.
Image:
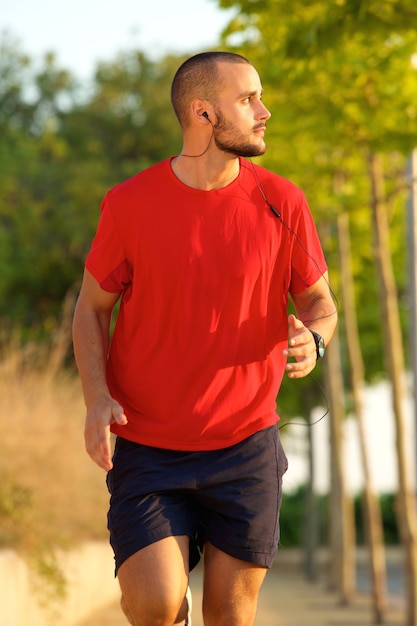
(341, 508)
(372, 509)
(395, 366)
(311, 528)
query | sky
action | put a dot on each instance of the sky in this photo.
(82, 32)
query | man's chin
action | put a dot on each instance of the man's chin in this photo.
(255, 151)
(252, 150)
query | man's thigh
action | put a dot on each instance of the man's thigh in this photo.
(231, 589)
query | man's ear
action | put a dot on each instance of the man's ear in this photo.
(200, 111)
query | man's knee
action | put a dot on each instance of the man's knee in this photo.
(163, 613)
(126, 611)
(153, 582)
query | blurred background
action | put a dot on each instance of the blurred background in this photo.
(84, 104)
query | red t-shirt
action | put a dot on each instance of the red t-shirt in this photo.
(195, 358)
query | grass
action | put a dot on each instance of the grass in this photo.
(51, 493)
(52, 496)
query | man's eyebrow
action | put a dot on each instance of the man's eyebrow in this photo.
(246, 94)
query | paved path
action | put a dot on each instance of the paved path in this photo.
(287, 599)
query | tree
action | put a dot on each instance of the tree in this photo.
(394, 353)
(348, 91)
(342, 524)
(372, 511)
(62, 147)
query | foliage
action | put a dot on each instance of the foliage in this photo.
(16, 501)
(388, 505)
(17, 515)
(340, 83)
(51, 494)
(62, 147)
(293, 520)
(294, 523)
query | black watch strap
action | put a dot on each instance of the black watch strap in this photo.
(319, 341)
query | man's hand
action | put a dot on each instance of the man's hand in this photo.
(302, 348)
(100, 415)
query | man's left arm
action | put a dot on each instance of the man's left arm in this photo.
(315, 311)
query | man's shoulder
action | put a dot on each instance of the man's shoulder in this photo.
(279, 181)
(273, 182)
(142, 181)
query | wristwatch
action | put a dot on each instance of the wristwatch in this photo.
(319, 341)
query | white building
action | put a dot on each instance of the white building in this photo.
(380, 430)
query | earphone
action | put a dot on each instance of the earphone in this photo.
(196, 156)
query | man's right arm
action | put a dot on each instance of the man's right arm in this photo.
(91, 327)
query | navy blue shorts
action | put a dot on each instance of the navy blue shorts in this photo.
(230, 497)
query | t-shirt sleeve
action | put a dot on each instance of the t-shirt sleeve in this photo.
(308, 262)
(106, 260)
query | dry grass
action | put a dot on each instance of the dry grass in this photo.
(51, 493)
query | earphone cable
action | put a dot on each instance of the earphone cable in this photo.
(196, 156)
(317, 421)
(297, 238)
(334, 297)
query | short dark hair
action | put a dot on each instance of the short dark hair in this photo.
(198, 77)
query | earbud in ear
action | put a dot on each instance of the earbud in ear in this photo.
(206, 115)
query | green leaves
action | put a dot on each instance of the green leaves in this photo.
(61, 148)
(337, 77)
(340, 82)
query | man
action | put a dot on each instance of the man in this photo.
(203, 251)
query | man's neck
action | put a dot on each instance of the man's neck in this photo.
(206, 174)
